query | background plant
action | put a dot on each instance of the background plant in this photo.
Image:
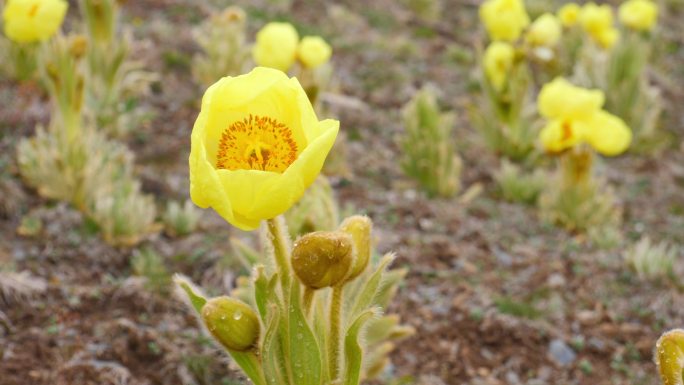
(428, 151)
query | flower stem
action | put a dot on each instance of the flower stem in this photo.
(334, 341)
(278, 238)
(308, 299)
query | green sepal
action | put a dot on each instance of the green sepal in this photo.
(264, 290)
(250, 364)
(304, 352)
(353, 353)
(196, 300)
(270, 350)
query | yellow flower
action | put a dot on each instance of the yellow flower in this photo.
(28, 21)
(545, 31)
(569, 14)
(608, 134)
(498, 61)
(504, 19)
(640, 15)
(313, 51)
(561, 134)
(597, 21)
(560, 99)
(256, 146)
(276, 46)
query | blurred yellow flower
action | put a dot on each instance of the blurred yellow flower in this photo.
(256, 146)
(597, 21)
(276, 46)
(28, 21)
(640, 15)
(608, 134)
(313, 51)
(498, 61)
(504, 19)
(576, 117)
(560, 99)
(544, 31)
(569, 14)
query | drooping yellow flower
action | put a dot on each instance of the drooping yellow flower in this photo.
(276, 46)
(498, 61)
(597, 21)
(28, 21)
(313, 51)
(569, 14)
(640, 15)
(256, 146)
(560, 99)
(504, 19)
(575, 116)
(545, 31)
(608, 134)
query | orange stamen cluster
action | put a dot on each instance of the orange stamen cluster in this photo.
(256, 143)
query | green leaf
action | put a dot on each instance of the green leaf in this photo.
(196, 300)
(305, 355)
(353, 353)
(264, 290)
(249, 363)
(388, 286)
(270, 350)
(369, 290)
(380, 329)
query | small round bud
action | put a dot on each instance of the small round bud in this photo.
(78, 45)
(323, 258)
(359, 227)
(233, 15)
(232, 322)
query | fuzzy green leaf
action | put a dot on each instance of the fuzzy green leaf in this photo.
(264, 290)
(353, 353)
(305, 355)
(272, 369)
(388, 287)
(370, 288)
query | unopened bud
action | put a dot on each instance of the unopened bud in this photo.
(359, 227)
(77, 46)
(670, 357)
(323, 258)
(232, 322)
(233, 15)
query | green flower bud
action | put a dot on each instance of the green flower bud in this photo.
(232, 322)
(323, 258)
(359, 227)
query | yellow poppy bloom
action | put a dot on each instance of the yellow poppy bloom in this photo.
(560, 99)
(608, 134)
(28, 21)
(597, 21)
(276, 46)
(545, 31)
(256, 146)
(313, 51)
(498, 61)
(504, 19)
(569, 14)
(561, 134)
(640, 15)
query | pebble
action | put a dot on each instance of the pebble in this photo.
(561, 352)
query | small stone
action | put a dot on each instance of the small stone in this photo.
(556, 281)
(561, 352)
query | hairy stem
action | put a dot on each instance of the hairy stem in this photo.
(278, 237)
(334, 340)
(308, 299)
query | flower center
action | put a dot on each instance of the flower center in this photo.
(256, 143)
(567, 133)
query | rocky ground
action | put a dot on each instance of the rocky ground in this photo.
(496, 296)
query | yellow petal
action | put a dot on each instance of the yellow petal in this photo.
(545, 31)
(498, 61)
(27, 21)
(560, 99)
(559, 135)
(504, 19)
(569, 14)
(608, 134)
(276, 46)
(313, 51)
(640, 15)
